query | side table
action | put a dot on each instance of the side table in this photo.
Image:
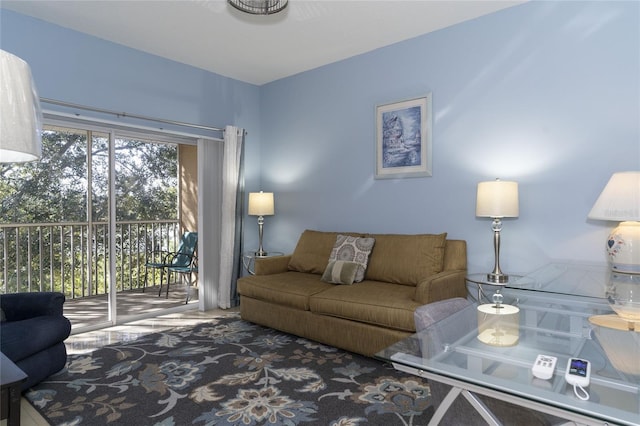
(10, 379)
(249, 259)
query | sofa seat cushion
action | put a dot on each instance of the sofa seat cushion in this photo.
(377, 303)
(291, 289)
(21, 339)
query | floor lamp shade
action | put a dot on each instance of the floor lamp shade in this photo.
(20, 113)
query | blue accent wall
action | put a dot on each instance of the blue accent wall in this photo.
(545, 93)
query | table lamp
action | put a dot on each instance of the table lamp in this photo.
(21, 123)
(620, 202)
(261, 204)
(497, 199)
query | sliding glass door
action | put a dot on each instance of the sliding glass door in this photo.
(85, 219)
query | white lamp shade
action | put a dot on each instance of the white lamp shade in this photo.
(20, 113)
(620, 199)
(497, 199)
(261, 203)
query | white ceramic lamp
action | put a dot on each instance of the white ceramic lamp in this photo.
(497, 199)
(261, 204)
(20, 113)
(620, 202)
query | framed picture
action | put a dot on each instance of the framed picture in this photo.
(403, 139)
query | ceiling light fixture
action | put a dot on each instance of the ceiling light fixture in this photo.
(259, 7)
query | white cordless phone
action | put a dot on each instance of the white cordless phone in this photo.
(578, 372)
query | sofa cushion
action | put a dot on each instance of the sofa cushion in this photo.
(406, 259)
(290, 289)
(340, 272)
(381, 304)
(313, 250)
(353, 249)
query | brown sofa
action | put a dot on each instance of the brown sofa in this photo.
(403, 273)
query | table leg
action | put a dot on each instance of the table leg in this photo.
(479, 406)
(444, 406)
(13, 415)
(475, 402)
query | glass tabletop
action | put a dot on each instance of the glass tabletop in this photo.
(557, 326)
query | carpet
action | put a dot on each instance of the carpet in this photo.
(229, 372)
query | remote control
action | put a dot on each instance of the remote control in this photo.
(544, 366)
(578, 372)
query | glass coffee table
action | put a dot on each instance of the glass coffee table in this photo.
(552, 324)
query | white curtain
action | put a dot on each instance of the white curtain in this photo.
(231, 222)
(210, 161)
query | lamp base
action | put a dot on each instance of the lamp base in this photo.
(261, 254)
(623, 247)
(497, 278)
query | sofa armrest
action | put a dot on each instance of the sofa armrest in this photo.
(427, 315)
(272, 265)
(445, 285)
(21, 306)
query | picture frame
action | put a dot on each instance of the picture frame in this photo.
(404, 139)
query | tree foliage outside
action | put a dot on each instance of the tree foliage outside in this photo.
(54, 193)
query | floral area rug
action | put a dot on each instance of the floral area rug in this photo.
(229, 372)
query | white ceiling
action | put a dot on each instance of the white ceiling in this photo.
(211, 35)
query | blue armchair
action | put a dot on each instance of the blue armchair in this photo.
(32, 333)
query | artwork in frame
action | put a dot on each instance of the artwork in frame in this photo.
(404, 139)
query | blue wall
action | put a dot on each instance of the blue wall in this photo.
(545, 93)
(85, 70)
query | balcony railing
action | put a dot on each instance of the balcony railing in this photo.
(73, 257)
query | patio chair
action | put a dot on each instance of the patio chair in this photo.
(190, 270)
(181, 258)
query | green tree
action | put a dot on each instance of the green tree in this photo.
(56, 190)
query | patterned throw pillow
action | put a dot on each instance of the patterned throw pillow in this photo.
(340, 272)
(353, 249)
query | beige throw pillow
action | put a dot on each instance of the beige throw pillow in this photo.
(340, 272)
(353, 249)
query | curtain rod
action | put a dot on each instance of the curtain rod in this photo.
(124, 114)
